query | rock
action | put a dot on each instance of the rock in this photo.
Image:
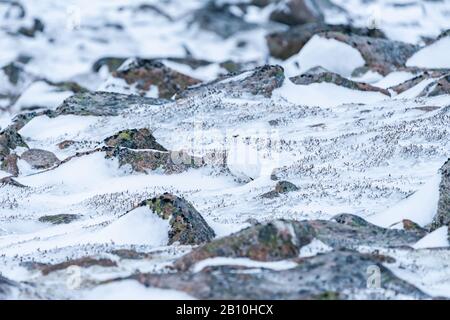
(339, 274)
(134, 139)
(220, 19)
(146, 73)
(380, 55)
(319, 74)
(39, 159)
(131, 254)
(439, 87)
(283, 239)
(37, 26)
(295, 12)
(284, 44)
(442, 217)
(259, 81)
(102, 103)
(59, 218)
(187, 226)
(281, 187)
(272, 241)
(423, 75)
(84, 262)
(168, 162)
(9, 140)
(9, 165)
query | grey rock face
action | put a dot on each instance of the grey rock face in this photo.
(186, 223)
(259, 81)
(335, 275)
(318, 74)
(442, 217)
(283, 239)
(284, 44)
(134, 139)
(102, 103)
(40, 159)
(381, 55)
(145, 73)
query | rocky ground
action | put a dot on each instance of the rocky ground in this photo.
(225, 149)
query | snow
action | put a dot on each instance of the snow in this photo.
(147, 229)
(393, 79)
(132, 290)
(245, 262)
(330, 54)
(325, 94)
(434, 56)
(313, 248)
(41, 94)
(420, 207)
(65, 126)
(436, 239)
(347, 150)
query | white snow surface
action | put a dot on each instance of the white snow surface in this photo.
(348, 151)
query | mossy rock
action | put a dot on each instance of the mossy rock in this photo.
(134, 139)
(187, 226)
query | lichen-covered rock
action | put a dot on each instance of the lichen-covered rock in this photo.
(339, 274)
(9, 164)
(284, 44)
(276, 240)
(187, 226)
(220, 19)
(283, 239)
(9, 140)
(168, 162)
(134, 139)
(59, 218)
(146, 73)
(259, 81)
(442, 217)
(102, 103)
(319, 74)
(39, 159)
(380, 55)
(281, 187)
